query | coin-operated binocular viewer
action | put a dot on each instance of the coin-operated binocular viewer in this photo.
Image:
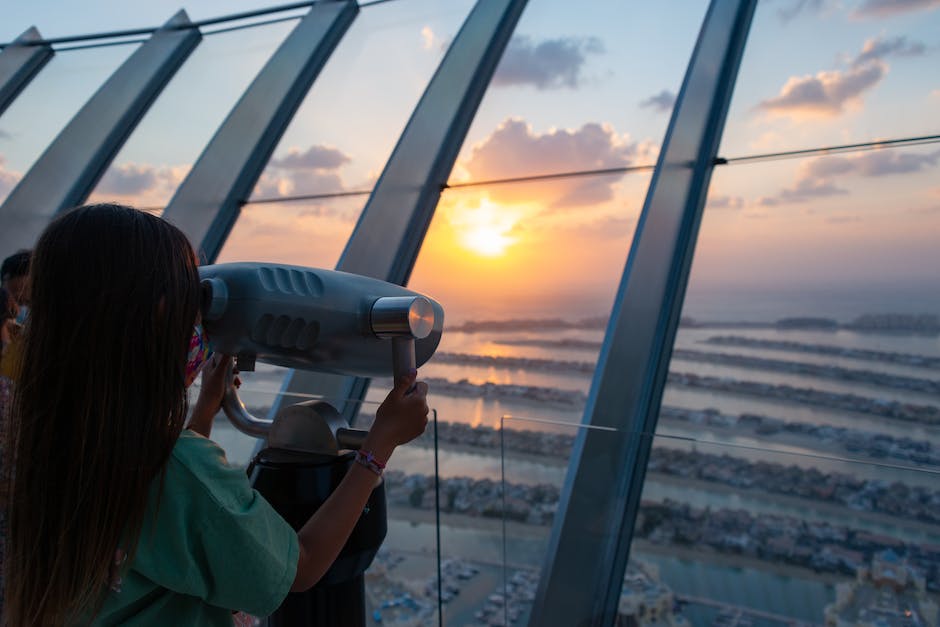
(325, 321)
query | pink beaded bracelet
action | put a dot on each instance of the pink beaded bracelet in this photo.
(367, 459)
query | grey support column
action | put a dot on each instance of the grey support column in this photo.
(209, 200)
(68, 170)
(388, 236)
(583, 572)
(19, 63)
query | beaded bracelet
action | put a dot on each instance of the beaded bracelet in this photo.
(367, 459)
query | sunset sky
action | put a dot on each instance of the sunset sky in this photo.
(576, 90)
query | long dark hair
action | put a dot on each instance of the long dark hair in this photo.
(99, 404)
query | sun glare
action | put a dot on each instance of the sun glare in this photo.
(485, 230)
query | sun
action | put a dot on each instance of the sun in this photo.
(485, 230)
(486, 240)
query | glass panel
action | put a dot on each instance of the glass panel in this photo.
(346, 128)
(402, 584)
(508, 254)
(795, 468)
(159, 154)
(304, 233)
(581, 90)
(823, 73)
(47, 104)
(534, 455)
(776, 537)
(524, 319)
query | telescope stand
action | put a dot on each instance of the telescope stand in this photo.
(296, 484)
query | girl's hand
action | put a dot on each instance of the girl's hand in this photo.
(401, 418)
(212, 386)
(211, 392)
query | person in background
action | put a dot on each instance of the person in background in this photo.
(10, 332)
(14, 277)
(9, 340)
(117, 515)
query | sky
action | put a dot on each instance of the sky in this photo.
(837, 234)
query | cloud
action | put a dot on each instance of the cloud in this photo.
(826, 94)
(724, 202)
(878, 49)
(430, 40)
(797, 7)
(140, 184)
(547, 64)
(661, 102)
(816, 178)
(5, 135)
(315, 157)
(872, 164)
(842, 219)
(516, 149)
(829, 93)
(303, 172)
(8, 179)
(889, 8)
(128, 179)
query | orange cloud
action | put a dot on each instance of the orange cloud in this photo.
(827, 94)
(515, 149)
(830, 93)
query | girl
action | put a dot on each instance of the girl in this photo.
(117, 515)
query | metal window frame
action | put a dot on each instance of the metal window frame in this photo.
(582, 576)
(20, 62)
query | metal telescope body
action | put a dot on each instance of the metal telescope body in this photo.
(313, 319)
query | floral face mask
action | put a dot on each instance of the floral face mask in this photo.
(199, 353)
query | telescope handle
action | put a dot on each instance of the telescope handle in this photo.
(403, 357)
(238, 414)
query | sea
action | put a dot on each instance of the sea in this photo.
(762, 587)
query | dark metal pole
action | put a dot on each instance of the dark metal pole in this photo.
(19, 63)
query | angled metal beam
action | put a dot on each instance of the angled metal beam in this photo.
(582, 576)
(19, 63)
(66, 173)
(209, 200)
(391, 228)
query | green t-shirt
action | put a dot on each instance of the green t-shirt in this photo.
(214, 546)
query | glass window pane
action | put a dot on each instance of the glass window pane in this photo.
(826, 73)
(47, 104)
(160, 152)
(305, 233)
(796, 452)
(346, 128)
(581, 90)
